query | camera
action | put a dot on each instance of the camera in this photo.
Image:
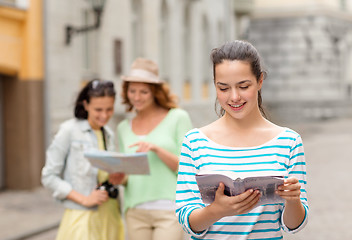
(113, 191)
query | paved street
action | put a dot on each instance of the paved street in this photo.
(23, 213)
(328, 147)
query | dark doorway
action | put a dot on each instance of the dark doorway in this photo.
(2, 154)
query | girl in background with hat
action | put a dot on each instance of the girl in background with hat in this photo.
(158, 128)
(90, 213)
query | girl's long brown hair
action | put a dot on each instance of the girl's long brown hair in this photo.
(161, 92)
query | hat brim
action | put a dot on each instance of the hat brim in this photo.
(140, 79)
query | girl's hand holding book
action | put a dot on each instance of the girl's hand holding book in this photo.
(117, 178)
(291, 190)
(240, 204)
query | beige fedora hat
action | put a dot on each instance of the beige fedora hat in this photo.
(143, 70)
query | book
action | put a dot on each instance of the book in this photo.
(237, 183)
(112, 162)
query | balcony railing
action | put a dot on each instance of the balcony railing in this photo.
(243, 6)
(19, 4)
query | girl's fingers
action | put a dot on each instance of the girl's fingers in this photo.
(289, 188)
(134, 144)
(142, 146)
(220, 190)
(103, 196)
(249, 205)
(290, 184)
(289, 193)
(116, 178)
(236, 204)
(252, 197)
(247, 196)
(291, 180)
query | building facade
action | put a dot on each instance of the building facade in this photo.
(21, 94)
(177, 34)
(307, 48)
(307, 54)
(41, 72)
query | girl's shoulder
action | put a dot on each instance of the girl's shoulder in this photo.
(124, 128)
(283, 129)
(288, 132)
(283, 133)
(195, 135)
(123, 123)
(70, 124)
(178, 112)
(179, 118)
(70, 128)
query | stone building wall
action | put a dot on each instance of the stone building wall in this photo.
(178, 35)
(306, 57)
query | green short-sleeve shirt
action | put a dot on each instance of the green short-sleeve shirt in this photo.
(161, 183)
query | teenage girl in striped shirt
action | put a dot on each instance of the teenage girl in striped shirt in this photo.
(242, 139)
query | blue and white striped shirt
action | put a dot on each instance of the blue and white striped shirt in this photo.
(283, 155)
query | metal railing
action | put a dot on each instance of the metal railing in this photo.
(18, 4)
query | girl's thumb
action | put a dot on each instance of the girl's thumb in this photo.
(220, 189)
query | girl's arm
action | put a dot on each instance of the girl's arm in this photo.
(170, 159)
(294, 211)
(55, 162)
(202, 218)
(294, 189)
(96, 197)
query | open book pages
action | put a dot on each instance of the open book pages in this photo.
(132, 163)
(236, 183)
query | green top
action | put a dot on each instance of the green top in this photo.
(161, 183)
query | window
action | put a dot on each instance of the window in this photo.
(187, 54)
(89, 44)
(22, 4)
(343, 5)
(164, 62)
(137, 29)
(2, 182)
(206, 62)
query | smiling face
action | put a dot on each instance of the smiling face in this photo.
(140, 96)
(237, 88)
(100, 110)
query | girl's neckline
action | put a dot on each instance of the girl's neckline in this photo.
(151, 131)
(251, 147)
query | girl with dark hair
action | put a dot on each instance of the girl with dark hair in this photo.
(241, 140)
(91, 212)
(158, 128)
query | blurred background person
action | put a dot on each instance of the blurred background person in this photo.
(91, 212)
(158, 128)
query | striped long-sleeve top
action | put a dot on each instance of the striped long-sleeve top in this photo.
(282, 155)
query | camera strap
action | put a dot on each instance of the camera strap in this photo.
(111, 189)
(104, 138)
